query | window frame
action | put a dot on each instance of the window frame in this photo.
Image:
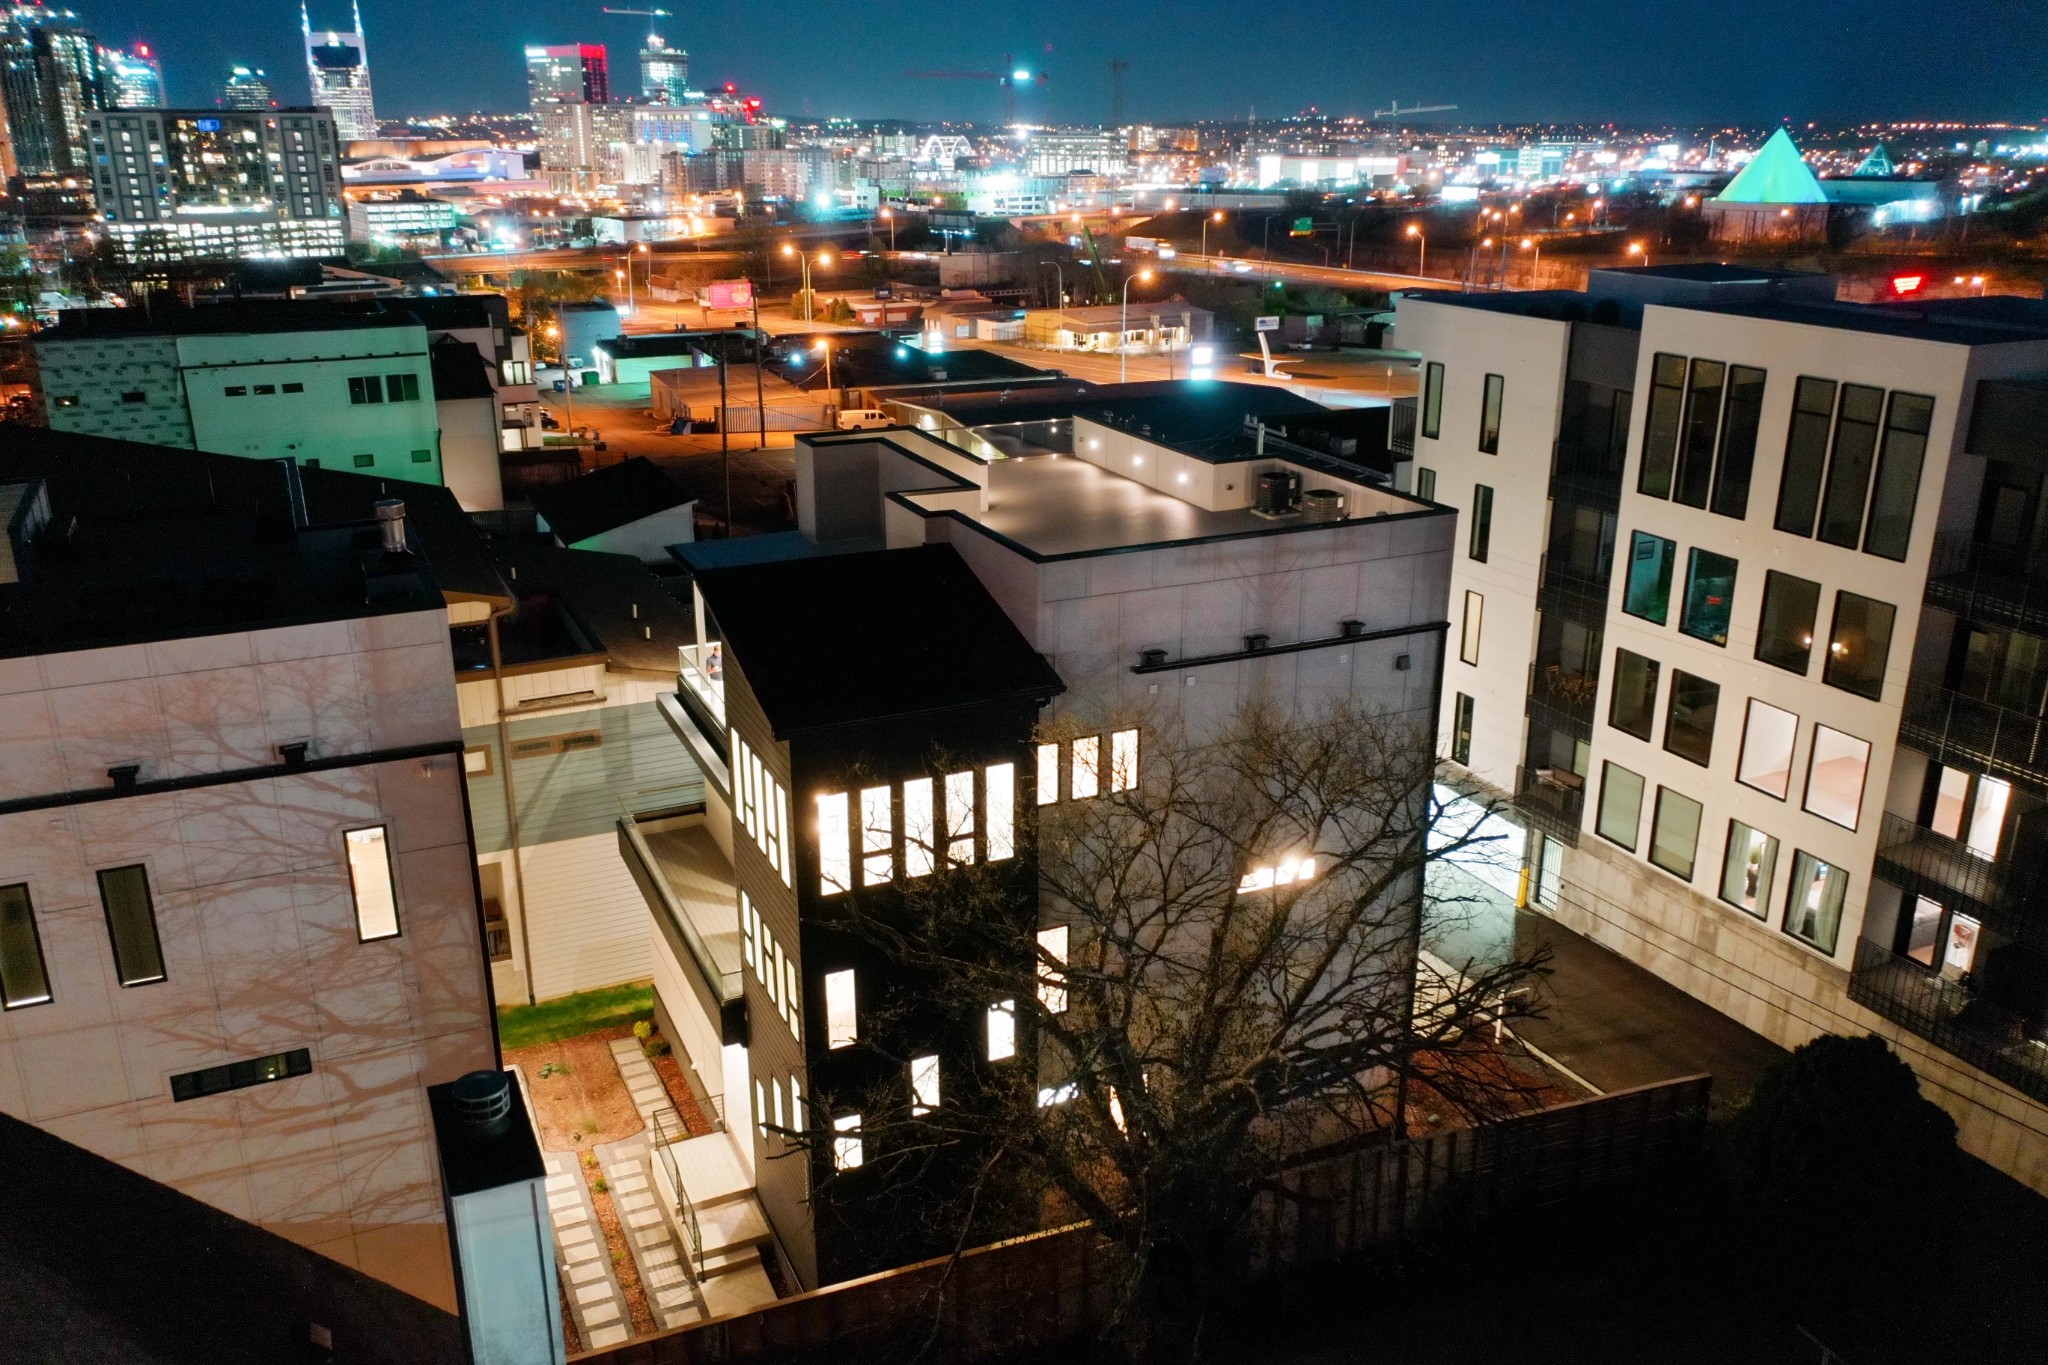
(1608, 768)
(1801, 859)
(1699, 817)
(1432, 414)
(1470, 626)
(1479, 537)
(1492, 397)
(1799, 432)
(1828, 667)
(1004, 1011)
(397, 930)
(1813, 759)
(1669, 573)
(1670, 717)
(1614, 694)
(34, 940)
(1742, 750)
(842, 1016)
(1462, 710)
(1663, 425)
(1773, 578)
(1885, 474)
(1685, 604)
(1767, 873)
(155, 936)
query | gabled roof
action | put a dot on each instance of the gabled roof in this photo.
(863, 637)
(1775, 175)
(607, 499)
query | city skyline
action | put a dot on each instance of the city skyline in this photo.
(1509, 63)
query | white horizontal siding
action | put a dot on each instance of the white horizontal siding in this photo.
(588, 925)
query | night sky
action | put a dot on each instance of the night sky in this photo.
(1632, 61)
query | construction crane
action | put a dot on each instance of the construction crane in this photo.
(1398, 112)
(650, 15)
(1009, 78)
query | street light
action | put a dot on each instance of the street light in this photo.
(1421, 249)
(804, 258)
(1123, 337)
(1637, 249)
(1215, 217)
(1530, 244)
(1060, 281)
(824, 344)
(889, 217)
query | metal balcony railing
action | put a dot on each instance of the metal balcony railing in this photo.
(1573, 590)
(1562, 698)
(1993, 584)
(1589, 478)
(1951, 1014)
(1967, 732)
(1551, 801)
(1401, 427)
(1999, 892)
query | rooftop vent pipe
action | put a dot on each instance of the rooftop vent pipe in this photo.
(391, 523)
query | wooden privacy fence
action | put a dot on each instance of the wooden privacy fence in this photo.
(1060, 1285)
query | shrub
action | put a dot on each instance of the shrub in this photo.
(601, 1185)
(658, 1048)
(643, 1030)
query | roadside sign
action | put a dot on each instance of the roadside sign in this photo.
(729, 294)
(1266, 324)
(1303, 227)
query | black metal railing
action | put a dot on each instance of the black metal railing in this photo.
(1968, 732)
(1574, 591)
(1949, 1014)
(1999, 892)
(1587, 477)
(1562, 698)
(1401, 427)
(1553, 800)
(1995, 584)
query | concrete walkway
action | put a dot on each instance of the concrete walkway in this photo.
(595, 1300)
(658, 1253)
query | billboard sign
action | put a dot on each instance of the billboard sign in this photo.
(1266, 324)
(729, 294)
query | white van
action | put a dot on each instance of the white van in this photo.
(860, 419)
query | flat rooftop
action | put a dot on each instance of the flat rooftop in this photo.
(1205, 420)
(1955, 322)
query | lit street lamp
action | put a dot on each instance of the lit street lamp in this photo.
(1637, 249)
(804, 258)
(1060, 282)
(1123, 336)
(1530, 244)
(1421, 249)
(889, 217)
(1215, 217)
(825, 344)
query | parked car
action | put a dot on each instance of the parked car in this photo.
(549, 422)
(860, 419)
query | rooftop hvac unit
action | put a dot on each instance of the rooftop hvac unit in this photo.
(1277, 493)
(1322, 504)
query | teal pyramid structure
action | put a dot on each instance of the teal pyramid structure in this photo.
(1879, 162)
(1775, 175)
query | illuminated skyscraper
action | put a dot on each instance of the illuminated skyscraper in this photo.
(338, 70)
(664, 71)
(135, 79)
(572, 73)
(246, 88)
(50, 79)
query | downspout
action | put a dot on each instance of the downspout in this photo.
(511, 798)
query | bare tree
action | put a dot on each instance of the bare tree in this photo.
(1220, 967)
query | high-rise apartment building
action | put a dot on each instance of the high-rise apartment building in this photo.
(51, 78)
(664, 72)
(246, 88)
(572, 73)
(135, 78)
(1763, 676)
(338, 72)
(582, 146)
(191, 184)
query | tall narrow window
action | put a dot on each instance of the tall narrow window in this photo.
(1765, 763)
(775, 1099)
(1052, 969)
(1425, 484)
(1461, 730)
(1002, 1030)
(1647, 592)
(131, 925)
(1689, 720)
(924, 1084)
(1675, 833)
(1123, 760)
(842, 1020)
(1806, 454)
(1855, 447)
(1709, 596)
(960, 818)
(1661, 425)
(920, 836)
(1737, 458)
(1694, 477)
(835, 855)
(1898, 475)
(796, 1107)
(1813, 907)
(1987, 816)
(369, 875)
(1048, 774)
(1468, 637)
(999, 802)
(846, 1148)
(1432, 399)
(1859, 643)
(877, 836)
(24, 980)
(760, 1108)
(750, 933)
(1784, 635)
(1087, 779)
(1621, 805)
(1747, 868)
(1489, 416)
(1834, 776)
(1632, 706)
(1481, 538)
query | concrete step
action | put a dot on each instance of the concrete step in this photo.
(739, 1291)
(729, 1260)
(734, 1223)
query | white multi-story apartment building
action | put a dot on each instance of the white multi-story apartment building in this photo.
(1745, 618)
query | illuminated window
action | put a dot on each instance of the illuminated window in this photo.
(1766, 759)
(1087, 768)
(1048, 774)
(131, 925)
(760, 1107)
(1813, 909)
(835, 859)
(1834, 777)
(24, 978)
(796, 1106)
(369, 874)
(1286, 872)
(792, 1002)
(1052, 962)
(1468, 636)
(999, 795)
(846, 1152)
(1123, 760)
(1002, 1030)
(1747, 868)
(924, 1084)
(876, 837)
(775, 1098)
(919, 851)
(960, 818)
(750, 942)
(842, 1025)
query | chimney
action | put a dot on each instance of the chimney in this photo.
(391, 523)
(1259, 440)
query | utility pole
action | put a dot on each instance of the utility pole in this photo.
(725, 440)
(1117, 67)
(760, 357)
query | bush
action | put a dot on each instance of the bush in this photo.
(601, 1185)
(643, 1030)
(657, 1048)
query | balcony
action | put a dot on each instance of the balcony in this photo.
(1587, 478)
(1554, 801)
(1965, 732)
(1574, 591)
(1401, 428)
(688, 885)
(1562, 699)
(1998, 893)
(1994, 585)
(1953, 1014)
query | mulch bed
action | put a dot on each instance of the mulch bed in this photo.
(581, 1101)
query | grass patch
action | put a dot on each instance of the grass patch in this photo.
(573, 1015)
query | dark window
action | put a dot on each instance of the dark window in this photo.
(1675, 833)
(266, 388)
(364, 461)
(1648, 591)
(1859, 643)
(1432, 399)
(1461, 730)
(235, 391)
(1632, 708)
(1482, 522)
(422, 456)
(1738, 441)
(1689, 719)
(1660, 425)
(1841, 512)
(1489, 417)
(215, 1080)
(131, 925)
(1898, 475)
(1694, 477)
(1621, 805)
(1784, 637)
(1709, 596)
(134, 396)
(1806, 454)
(23, 978)
(295, 388)
(402, 388)
(1425, 484)
(365, 388)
